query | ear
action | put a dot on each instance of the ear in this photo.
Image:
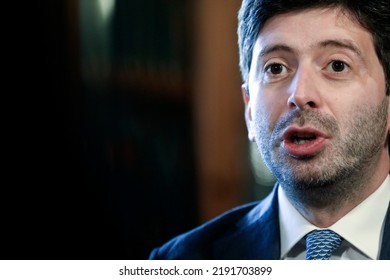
(248, 112)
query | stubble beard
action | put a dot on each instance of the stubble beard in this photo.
(338, 173)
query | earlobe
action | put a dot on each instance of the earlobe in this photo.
(248, 112)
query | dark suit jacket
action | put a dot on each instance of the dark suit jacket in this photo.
(247, 232)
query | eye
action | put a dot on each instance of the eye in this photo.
(338, 66)
(274, 72)
(275, 69)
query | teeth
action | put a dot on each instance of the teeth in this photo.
(300, 141)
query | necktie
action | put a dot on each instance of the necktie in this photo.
(321, 243)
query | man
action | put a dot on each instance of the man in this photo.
(316, 94)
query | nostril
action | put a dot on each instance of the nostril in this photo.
(292, 104)
(310, 104)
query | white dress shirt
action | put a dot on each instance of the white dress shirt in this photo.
(362, 228)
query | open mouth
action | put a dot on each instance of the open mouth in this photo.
(302, 138)
(303, 142)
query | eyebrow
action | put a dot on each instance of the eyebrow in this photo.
(345, 44)
(275, 48)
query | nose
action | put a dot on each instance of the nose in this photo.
(304, 91)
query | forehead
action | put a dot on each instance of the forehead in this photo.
(303, 29)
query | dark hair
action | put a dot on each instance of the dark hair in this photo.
(373, 15)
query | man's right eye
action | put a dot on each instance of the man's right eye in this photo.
(275, 69)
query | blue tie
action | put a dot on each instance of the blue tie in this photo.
(321, 243)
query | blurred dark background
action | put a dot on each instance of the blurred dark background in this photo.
(123, 126)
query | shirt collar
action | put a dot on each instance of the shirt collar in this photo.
(353, 227)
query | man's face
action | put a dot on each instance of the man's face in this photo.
(317, 107)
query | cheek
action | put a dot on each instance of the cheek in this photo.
(265, 115)
(272, 108)
(388, 115)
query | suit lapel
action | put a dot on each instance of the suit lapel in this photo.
(385, 248)
(257, 235)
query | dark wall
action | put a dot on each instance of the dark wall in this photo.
(91, 172)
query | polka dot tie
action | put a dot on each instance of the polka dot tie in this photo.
(321, 243)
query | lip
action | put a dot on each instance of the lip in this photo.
(315, 141)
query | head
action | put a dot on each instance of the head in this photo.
(372, 15)
(316, 92)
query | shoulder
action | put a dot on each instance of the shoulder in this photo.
(198, 243)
